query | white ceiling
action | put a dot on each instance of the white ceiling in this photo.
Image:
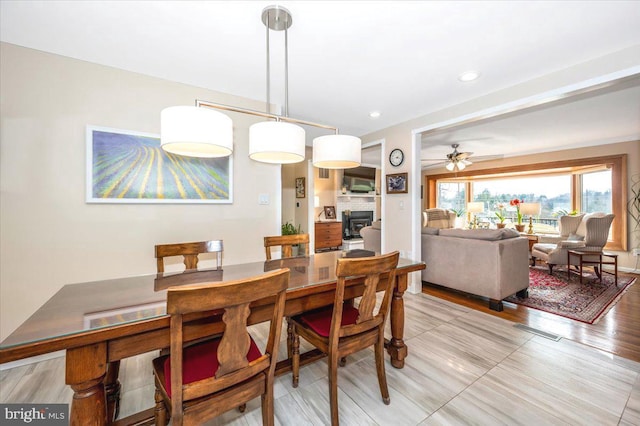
(348, 58)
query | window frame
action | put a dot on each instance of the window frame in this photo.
(617, 164)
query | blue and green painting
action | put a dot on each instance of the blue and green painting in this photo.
(133, 167)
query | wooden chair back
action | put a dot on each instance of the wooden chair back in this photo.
(374, 269)
(190, 252)
(286, 242)
(234, 370)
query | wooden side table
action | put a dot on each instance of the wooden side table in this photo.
(599, 271)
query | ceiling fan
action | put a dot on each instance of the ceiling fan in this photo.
(458, 161)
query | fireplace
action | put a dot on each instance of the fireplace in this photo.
(354, 221)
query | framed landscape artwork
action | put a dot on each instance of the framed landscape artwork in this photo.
(130, 167)
(397, 183)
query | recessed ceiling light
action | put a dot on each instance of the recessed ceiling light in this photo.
(374, 114)
(469, 76)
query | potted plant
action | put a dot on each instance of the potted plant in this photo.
(289, 228)
(500, 215)
(459, 217)
(516, 203)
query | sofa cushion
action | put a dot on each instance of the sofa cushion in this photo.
(481, 234)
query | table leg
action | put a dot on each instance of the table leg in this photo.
(112, 389)
(86, 368)
(396, 347)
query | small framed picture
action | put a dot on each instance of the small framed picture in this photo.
(300, 190)
(397, 183)
(330, 212)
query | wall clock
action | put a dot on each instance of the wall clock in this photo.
(396, 157)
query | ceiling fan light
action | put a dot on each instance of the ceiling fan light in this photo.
(276, 142)
(337, 152)
(196, 132)
(450, 166)
(460, 165)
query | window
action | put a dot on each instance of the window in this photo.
(451, 195)
(552, 192)
(586, 185)
(596, 192)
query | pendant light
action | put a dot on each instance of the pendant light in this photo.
(337, 152)
(276, 141)
(196, 132)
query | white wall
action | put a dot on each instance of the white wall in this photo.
(49, 235)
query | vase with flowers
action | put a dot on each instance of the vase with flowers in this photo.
(500, 215)
(516, 203)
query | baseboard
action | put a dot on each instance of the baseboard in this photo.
(32, 360)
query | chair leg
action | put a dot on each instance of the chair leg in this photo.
(160, 412)
(382, 376)
(550, 268)
(267, 406)
(289, 339)
(295, 357)
(333, 388)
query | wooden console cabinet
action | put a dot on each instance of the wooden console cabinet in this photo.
(328, 235)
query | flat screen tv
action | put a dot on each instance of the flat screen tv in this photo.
(360, 179)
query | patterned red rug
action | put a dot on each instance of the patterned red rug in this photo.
(586, 302)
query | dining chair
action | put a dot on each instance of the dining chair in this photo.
(286, 242)
(190, 252)
(199, 382)
(342, 328)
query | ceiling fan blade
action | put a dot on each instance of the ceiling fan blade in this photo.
(434, 165)
(488, 157)
(466, 162)
(463, 155)
(439, 160)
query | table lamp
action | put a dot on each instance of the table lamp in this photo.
(475, 207)
(530, 209)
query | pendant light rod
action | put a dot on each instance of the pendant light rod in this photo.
(214, 105)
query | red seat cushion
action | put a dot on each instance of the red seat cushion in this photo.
(320, 320)
(201, 361)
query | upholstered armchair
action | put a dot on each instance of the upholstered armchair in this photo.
(372, 237)
(585, 232)
(438, 218)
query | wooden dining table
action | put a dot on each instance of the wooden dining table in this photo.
(100, 323)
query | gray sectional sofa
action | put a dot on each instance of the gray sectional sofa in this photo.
(492, 263)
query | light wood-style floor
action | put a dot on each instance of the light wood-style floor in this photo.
(618, 332)
(464, 367)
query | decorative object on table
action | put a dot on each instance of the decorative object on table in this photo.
(396, 157)
(586, 302)
(130, 167)
(500, 215)
(300, 187)
(330, 212)
(397, 183)
(530, 209)
(474, 208)
(200, 131)
(516, 203)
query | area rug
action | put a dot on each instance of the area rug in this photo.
(586, 302)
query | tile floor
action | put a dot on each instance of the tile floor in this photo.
(464, 367)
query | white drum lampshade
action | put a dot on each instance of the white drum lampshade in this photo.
(196, 132)
(276, 142)
(337, 152)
